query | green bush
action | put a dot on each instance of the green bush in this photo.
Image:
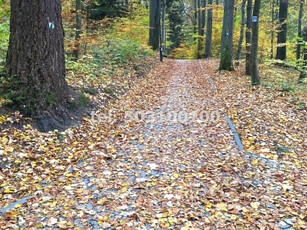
(4, 39)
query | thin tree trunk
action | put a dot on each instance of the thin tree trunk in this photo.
(227, 36)
(87, 23)
(248, 36)
(303, 74)
(199, 40)
(299, 30)
(76, 49)
(241, 32)
(208, 45)
(282, 34)
(195, 18)
(164, 26)
(254, 47)
(272, 33)
(154, 24)
(203, 17)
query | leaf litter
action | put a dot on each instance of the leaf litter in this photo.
(159, 175)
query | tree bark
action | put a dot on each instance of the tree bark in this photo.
(195, 18)
(254, 48)
(282, 34)
(227, 36)
(203, 17)
(248, 36)
(299, 30)
(78, 30)
(272, 33)
(303, 73)
(208, 44)
(164, 26)
(154, 24)
(36, 54)
(199, 40)
(241, 32)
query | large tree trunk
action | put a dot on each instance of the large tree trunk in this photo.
(241, 32)
(248, 36)
(299, 30)
(282, 34)
(154, 24)
(208, 44)
(254, 47)
(36, 54)
(78, 30)
(227, 36)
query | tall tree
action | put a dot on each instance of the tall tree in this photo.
(208, 45)
(241, 32)
(199, 24)
(227, 36)
(154, 24)
(272, 32)
(195, 16)
(163, 24)
(299, 29)
(282, 34)
(203, 17)
(254, 47)
(248, 36)
(78, 29)
(175, 10)
(303, 73)
(36, 56)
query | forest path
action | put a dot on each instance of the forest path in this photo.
(156, 173)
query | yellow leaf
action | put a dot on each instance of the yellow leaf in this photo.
(9, 149)
(101, 201)
(176, 175)
(124, 184)
(8, 190)
(222, 207)
(17, 205)
(4, 184)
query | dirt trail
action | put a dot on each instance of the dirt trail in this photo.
(157, 174)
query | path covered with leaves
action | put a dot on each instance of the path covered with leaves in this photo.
(151, 173)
